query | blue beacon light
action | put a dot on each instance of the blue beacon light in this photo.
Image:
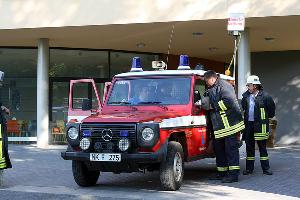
(87, 133)
(136, 65)
(184, 62)
(124, 133)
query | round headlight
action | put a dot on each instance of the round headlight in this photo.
(73, 133)
(124, 144)
(147, 134)
(84, 143)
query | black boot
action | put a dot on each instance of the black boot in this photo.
(230, 179)
(268, 172)
(247, 172)
(218, 176)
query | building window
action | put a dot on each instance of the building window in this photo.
(78, 63)
(19, 90)
(120, 62)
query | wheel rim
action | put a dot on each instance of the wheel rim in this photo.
(177, 166)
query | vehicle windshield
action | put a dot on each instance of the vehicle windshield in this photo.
(151, 91)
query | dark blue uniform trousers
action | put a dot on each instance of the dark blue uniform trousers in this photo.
(250, 148)
(227, 155)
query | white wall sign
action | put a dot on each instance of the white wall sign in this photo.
(236, 22)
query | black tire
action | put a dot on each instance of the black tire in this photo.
(170, 177)
(82, 176)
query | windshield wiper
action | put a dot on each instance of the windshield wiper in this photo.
(149, 102)
(119, 102)
(154, 102)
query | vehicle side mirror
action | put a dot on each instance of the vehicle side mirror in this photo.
(86, 104)
(198, 103)
(197, 96)
(206, 103)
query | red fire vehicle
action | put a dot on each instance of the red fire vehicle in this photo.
(149, 120)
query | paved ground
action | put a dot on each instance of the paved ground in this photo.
(42, 174)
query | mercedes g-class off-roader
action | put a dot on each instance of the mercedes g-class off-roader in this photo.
(149, 120)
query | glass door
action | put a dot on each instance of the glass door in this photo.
(59, 95)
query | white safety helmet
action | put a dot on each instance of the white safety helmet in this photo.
(253, 80)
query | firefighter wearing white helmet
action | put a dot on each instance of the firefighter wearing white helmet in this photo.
(258, 107)
(253, 80)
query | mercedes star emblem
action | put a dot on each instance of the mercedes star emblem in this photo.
(107, 135)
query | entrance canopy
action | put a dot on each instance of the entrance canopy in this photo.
(204, 39)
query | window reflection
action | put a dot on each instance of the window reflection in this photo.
(121, 61)
(19, 90)
(151, 91)
(78, 63)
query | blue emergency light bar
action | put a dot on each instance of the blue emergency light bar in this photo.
(136, 65)
(184, 62)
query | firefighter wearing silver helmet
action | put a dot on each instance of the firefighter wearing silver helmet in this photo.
(4, 157)
(258, 107)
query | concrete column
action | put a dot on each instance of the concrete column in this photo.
(43, 93)
(244, 62)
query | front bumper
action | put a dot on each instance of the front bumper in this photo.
(156, 157)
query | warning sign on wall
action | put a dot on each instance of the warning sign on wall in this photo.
(236, 22)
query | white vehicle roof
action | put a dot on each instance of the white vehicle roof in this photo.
(170, 72)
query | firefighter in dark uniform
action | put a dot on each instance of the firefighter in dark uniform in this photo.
(4, 157)
(258, 107)
(227, 121)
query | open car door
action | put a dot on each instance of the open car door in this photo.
(83, 100)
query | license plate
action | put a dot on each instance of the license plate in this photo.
(105, 157)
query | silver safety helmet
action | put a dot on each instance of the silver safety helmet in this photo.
(1, 77)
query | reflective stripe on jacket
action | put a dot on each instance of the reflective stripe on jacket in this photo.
(264, 109)
(4, 157)
(226, 115)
